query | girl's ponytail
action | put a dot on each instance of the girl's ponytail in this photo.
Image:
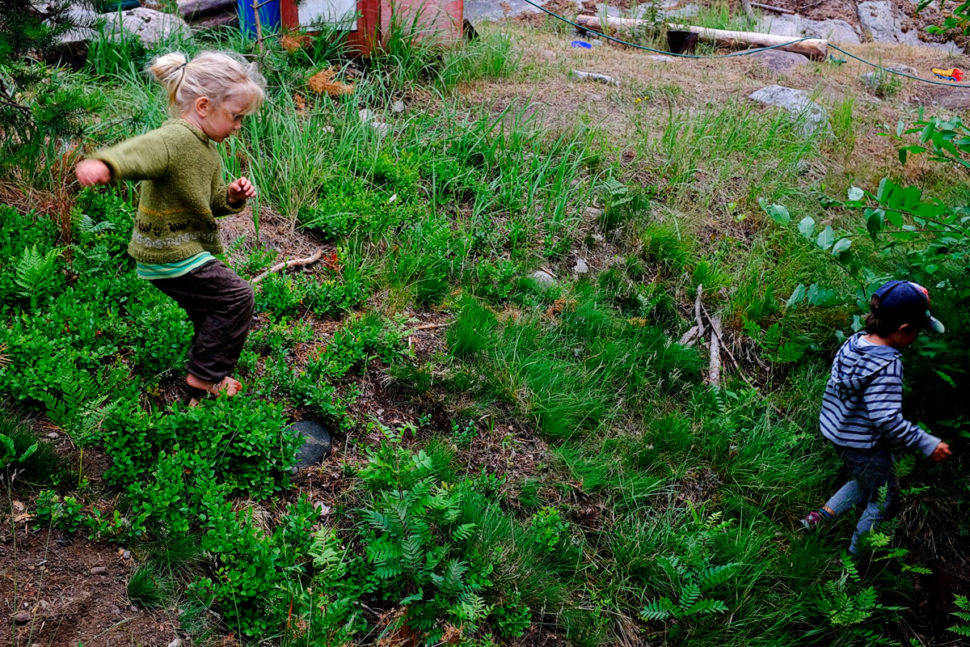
(169, 70)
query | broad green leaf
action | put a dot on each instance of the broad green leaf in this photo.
(841, 246)
(807, 227)
(778, 212)
(874, 220)
(826, 237)
(797, 296)
(911, 197)
(894, 217)
(946, 378)
(856, 194)
(885, 188)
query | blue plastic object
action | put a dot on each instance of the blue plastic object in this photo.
(270, 19)
(581, 43)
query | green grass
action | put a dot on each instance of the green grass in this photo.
(553, 445)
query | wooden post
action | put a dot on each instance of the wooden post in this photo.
(814, 48)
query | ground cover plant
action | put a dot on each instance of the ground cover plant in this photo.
(529, 445)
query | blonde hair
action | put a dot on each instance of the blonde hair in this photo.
(217, 76)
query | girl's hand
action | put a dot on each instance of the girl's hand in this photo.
(941, 453)
(240, 190)
(92, 172)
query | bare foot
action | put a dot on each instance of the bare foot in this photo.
(227, 386)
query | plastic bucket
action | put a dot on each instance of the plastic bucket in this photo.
(269, 16)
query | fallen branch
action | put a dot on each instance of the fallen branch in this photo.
(432, 326)
(714, 368)
(771, 8)
(299, 262)
(814, 48)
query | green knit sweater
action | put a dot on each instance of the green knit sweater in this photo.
(181, 191)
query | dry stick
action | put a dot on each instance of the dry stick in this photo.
(771, 8)
(432, 326)
(309, 260)
(714, 368)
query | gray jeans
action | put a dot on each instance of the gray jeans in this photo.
(870, 469)
(220, 305)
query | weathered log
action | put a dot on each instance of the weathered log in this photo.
(814, 48)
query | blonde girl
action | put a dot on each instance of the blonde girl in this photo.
(175, 238)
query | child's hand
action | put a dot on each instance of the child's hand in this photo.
(92, 172)
(240, 190)
(941, 453)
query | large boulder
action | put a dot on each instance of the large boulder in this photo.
(148, 25)
(813, 117)
(836, 31)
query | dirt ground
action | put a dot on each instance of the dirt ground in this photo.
(63, 590)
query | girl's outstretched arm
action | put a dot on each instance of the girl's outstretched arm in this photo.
(91, 172)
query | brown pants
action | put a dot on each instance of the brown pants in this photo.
(220, 305)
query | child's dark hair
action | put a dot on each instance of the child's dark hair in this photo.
(888, 323)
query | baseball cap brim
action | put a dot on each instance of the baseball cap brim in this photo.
(935, 324)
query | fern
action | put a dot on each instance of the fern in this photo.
(34, 273)
(716, 575)
(962, 603)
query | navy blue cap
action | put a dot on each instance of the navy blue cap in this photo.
(906, 302)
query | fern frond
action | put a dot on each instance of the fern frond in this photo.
(706, 606)
(716, 575)
(690, 594)
(463, 532)
(658, 609)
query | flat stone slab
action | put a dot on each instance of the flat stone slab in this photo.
(316, 443)
(780, 61)
(797, 103)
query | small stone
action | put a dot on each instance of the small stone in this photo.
(903, 69)
(44, 605)
(596, 97)
(115, 611)
(580, 75)
(21, 617)
(316, 443)
(581, 267)
(595, 42)
(397, 107)
(780, 61)
(99, 570)
(53, 435)
(126, 555)
(598, 238)
(380, 128)
(133, 609)
(176, 643)
(593, 212)
(543, 278)
(660, 58)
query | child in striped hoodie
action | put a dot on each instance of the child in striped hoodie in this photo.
(862, 407)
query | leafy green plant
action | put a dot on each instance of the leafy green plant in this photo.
(35, 273)
(549, 530)
(962, 614)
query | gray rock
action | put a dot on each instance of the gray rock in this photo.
(660, 58)
(780, 61)
(905, 69)
(581, 267)
(878, 18)
(148, 25)
(837, 31)
(814, 117)
(316, 443)
(380, 128)
(593, 212)
(480, 10)
(176, 643)
(543, 278)
(21, 617)
(99, 570)
(687, 11)
(397, 107)
(365, 115)
(579, 75)
(786, 25)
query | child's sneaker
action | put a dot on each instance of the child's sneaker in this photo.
(812, 520)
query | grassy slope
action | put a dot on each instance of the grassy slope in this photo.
(626, 501)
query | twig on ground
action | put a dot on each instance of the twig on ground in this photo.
(432, 326)
(714, 368)
(298, 262)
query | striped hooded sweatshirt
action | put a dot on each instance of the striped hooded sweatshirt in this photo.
(862, 405)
